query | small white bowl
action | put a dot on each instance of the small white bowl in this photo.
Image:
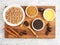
(44, 13)
(28, 14)
(38, 29)
(4, 13)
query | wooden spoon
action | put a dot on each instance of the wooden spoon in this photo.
(28, 26)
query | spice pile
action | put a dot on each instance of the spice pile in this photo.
(14, 15)
(37, 24)
(31, 11)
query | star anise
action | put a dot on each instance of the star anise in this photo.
(48, 29)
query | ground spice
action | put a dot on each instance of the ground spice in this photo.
(31, 11)
(49, 14)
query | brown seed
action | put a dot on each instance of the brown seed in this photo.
(40, 9)
(23, 33)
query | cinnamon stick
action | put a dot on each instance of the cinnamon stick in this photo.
(10, 32)
(13, 31)
(11, 36)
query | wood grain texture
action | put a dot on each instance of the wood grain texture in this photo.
(41, 34)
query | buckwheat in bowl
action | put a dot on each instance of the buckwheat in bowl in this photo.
(13, 15)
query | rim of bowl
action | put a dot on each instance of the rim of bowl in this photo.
(4, 13)
(38, 29)
(44, 12)
(28, 14)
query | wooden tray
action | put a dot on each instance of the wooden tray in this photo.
(41, 34)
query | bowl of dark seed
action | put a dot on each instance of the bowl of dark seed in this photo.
(38, 24)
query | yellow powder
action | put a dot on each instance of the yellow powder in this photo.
(49, 14)
(31, 11)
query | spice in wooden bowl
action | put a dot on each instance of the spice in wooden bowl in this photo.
(31, 11)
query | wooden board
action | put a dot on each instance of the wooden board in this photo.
(41, 34)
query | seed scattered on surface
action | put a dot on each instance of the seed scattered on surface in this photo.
(23, 33)
(47, 32)
(48, 29)
(40, 9)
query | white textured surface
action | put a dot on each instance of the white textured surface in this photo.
(55, 41)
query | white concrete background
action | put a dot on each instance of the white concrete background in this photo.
(55, 41)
